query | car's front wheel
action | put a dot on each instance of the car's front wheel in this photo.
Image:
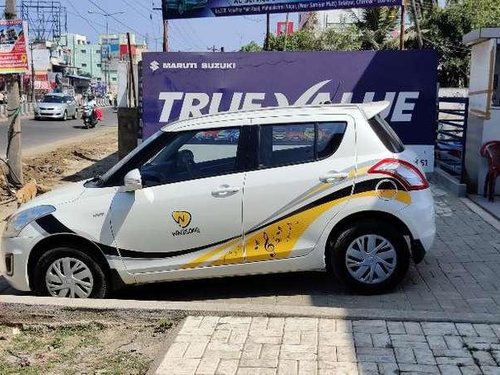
(67, 272)
(370, 256)
(65, 116)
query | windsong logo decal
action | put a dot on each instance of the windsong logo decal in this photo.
(183, 219)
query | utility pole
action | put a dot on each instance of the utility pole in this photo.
(402, 27)
(32, 75)
(417, 24)
(268, 32)
(106, 15)
(14, 151)
(286, 31)
(165, 35)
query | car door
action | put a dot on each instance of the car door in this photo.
(189, 212)
(304, 177)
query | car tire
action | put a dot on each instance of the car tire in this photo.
(345, 253)
(92, 273)
(75, 115)
(65, 116)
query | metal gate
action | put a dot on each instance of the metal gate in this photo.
(451, 135)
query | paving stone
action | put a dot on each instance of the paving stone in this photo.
(484, 330)
(470, 370)
(388, 369)
(207, 366)
(288, 367)
(251, 350)
(270, 351)
(180, 366)
(227, 367)
(405, 355)
(336, 339)
(363, 339)
(298, 352)
(381, 340)
(177, 350)
(450, 369)
(256, 371)
(490, 370)
(272, 363)
(438, 328)
(483, 358)
(308, 367)
(346, 354)
(424, 356)
(466, 329)
(327, 353)
(195, 350)
(396, 328)
(437, 342)
(369, 326)
(368, 368)
(425, 369)
(454, 342)
(378, 355)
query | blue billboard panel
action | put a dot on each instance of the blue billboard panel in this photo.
(179, 85)
(216, 8)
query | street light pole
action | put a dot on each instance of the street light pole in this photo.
(107, 59)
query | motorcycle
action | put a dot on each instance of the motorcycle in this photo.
(89, 117)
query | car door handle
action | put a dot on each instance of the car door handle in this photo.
(332, 177)
(225, 191)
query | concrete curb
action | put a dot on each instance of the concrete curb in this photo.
(224, 309)
(482, 213)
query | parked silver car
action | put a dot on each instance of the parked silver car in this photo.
(56, 106)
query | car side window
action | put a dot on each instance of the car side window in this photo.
(281, 145)
(192, 155)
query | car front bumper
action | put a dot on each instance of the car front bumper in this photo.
(57, 114)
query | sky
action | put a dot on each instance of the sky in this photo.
(195, 35)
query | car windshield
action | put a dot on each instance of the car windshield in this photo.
(53, 99)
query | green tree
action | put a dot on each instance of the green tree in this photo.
(375, 26)
(251, 47)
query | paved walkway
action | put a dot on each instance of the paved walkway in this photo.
(244, 345)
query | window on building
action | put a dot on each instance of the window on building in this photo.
(98, 65)
(113, 78)
(83, 51)
(84, 65)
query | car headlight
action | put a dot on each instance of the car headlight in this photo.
(18, 221)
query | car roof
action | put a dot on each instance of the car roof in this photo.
(226, 119)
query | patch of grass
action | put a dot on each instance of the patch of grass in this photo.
(163, 326)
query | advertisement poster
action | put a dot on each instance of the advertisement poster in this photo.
(13, 56)
(178, 85)
(217, 8)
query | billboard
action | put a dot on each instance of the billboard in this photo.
(182, 85)
(13, 56)
(284, 28)
(216, 8)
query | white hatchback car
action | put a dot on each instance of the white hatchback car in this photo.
(334, 190)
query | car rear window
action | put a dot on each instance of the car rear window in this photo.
(386, 134)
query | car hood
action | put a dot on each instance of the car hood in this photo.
(57, 197)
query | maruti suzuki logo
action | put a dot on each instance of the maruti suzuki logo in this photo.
(183, 218)
(154, 65)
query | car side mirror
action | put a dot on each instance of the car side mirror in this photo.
(132, 180)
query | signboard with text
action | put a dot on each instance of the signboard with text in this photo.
(217, 8)
(182, 85)
(13, 56)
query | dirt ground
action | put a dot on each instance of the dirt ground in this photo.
(70, 163)
(81, 342)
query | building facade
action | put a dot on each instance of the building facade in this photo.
(85, 56)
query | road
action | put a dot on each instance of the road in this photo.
(41, 133)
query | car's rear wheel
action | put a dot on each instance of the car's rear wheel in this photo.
(370, 257)
(67, 272)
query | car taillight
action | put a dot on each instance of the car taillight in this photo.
(405, 172)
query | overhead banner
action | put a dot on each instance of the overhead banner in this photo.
(178, 85)
(13, 56)
(217, 8)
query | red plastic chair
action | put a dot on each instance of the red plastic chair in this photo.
(491, 151)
